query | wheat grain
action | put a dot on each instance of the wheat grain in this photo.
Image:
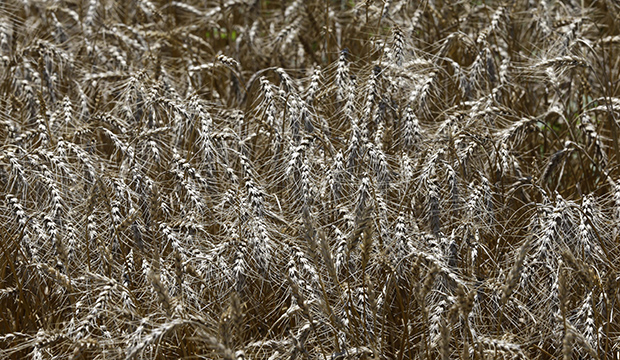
(280, 180)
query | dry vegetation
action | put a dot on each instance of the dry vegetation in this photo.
(252, 179)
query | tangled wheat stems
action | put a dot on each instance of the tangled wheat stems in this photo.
(307, 179)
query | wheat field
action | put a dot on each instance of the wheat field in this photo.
(254, 179)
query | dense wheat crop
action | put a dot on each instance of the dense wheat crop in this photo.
(253, 179)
